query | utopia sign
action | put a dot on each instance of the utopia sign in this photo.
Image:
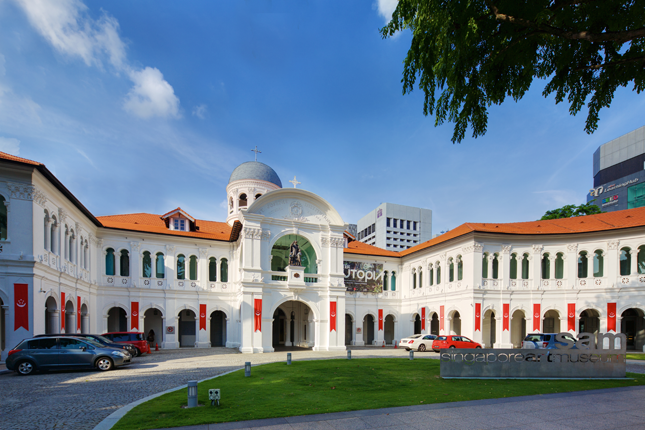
(587, 357)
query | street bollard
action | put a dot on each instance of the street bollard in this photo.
(349, 354)
(288, 358)
(247, 368)
(411, 355)
(192, 394)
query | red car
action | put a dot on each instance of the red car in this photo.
(132, 337)
(442, 342)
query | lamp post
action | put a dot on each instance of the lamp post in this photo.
(411, 355)
(247, 368)
(192, 394)
(349, 354)
(288, 358)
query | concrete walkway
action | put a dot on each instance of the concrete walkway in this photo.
(598, 409)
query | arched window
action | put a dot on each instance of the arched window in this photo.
(583, 264)
(414, 279)
(193, 267)
(181, 267)
(53, 242)
(160, 268)
(513, 266)
(559, 265)
(496, 266)
(431, 275)
(109, 262)
(46, 235)
(242, 201)
(641, 259)
(598, 263)
(125, 263)
(3, 219)
(212, 269)
(147, 265)
(485, 265)
(385, 286)
(546, 266)
(71, 247)
(393, 282)
(66, 244)
(438, 274)
(224, 270)
(87, 255)
(451, 270)
(420, 277)
(525, 266)
(460, 268)
(230, 205)
(257, 196)
(625, 262)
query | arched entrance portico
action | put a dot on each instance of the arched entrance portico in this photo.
(388, 327)
(218, 329)
(455, 323)
(187, 328)
(551, 322)
(489, 329)
(368, 329)
(117, 320)
(52, 316)
(518, 328)
(589, 321)
(70, 317)
(434, 324)
(85, 319)
(153, 320)
(293, 326)
(633, 326)
(349, 330)
(3, 330)
(417, 324)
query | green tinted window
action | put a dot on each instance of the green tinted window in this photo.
(636, 196)
(280, 253)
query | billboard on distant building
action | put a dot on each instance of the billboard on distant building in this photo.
(363, 277)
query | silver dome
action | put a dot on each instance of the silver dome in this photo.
(255, 170)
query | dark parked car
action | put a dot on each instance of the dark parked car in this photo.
(133, 338)
(63, 352)
(100, 339)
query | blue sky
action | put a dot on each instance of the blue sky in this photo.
(149, 105)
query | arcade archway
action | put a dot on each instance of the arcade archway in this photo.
(434, 324)
(117, 320)
(52, 315)
(153, 321)
(187, 328)
(349, 330)
(518, 328)
(489, 329)
(633, 326)
(293, 325)
(455, 324)
(218, 328)
(589, 321)
(368, 329)
(388, 327)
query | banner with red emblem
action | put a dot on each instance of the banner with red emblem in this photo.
(571, 317)
(536, 317)
(78, 313)
(258, 315)
(202, 317)
(380, 319)
(506, 310)
(134, 307)
(423, 318)
(62, 312)
(478, 317)
(611, 317)
(332, 316)
(440, 318)
(21, 306)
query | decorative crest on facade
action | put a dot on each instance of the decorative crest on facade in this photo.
(538, 248)
(613, 245)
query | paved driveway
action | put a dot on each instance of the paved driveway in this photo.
(82, 399)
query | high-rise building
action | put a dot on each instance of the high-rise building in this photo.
(619, 173)
(395, 227)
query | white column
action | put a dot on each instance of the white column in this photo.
(634, 260)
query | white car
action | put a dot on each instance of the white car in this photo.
(419, 342)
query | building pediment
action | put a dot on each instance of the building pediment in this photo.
(296, 205)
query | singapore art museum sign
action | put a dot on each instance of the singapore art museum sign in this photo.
(587, 357)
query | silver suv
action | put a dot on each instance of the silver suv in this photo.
(545, 341)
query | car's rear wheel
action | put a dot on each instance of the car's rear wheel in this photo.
(478, 347)
(104, 364)
(137, 352)
(422, 348)
(25, 368)
(451, 346)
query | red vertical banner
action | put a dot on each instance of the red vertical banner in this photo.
(478, 317)
(611, 317)
(380, 319)
(440, 318)
(571, 317)
(134, 317)
(536, 317)
(20, 306)
(332, 316)
(78, 313)
(258, 315)
(202, 317)
(423, 318)
(62, 312)
(505, 311)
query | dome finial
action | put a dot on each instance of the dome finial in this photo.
(256, 150)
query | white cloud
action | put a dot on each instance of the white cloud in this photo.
(200, 111)
(151, 95)
(67, 26)
(386, 8)
(10, 145)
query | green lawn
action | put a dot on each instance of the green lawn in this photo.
(321, 386)
(636, 356)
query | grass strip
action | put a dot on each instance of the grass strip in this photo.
(635, 356)
(322, 386)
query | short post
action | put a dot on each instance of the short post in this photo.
(192, 394)
(349, 354)
(411, 355)
(288, 358)
(247, 368)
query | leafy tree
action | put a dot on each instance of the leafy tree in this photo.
(478, 52)
(569, 211)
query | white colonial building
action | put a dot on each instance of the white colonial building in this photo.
(199, 283)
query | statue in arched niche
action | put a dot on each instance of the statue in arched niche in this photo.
(295, 256)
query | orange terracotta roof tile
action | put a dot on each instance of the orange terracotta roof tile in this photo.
(361, 248)
(349, 235)
(151, 223)
(5, 156)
